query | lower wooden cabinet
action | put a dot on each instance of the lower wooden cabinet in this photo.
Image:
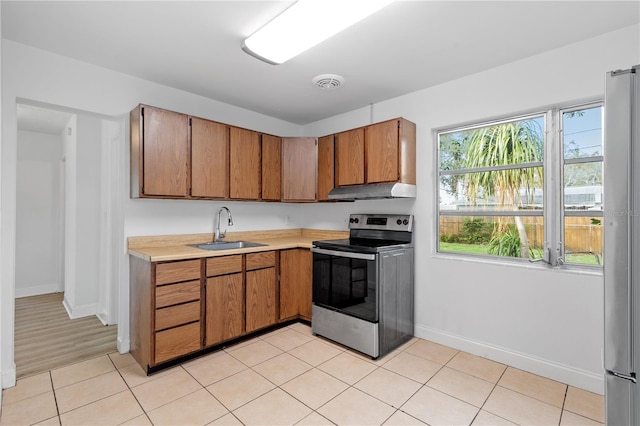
(177, 341)
(261, 280)
(225, 299)
(182, 307)
(165, 310)
(225, 311)
(295, 283)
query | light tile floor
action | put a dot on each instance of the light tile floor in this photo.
(289, 376)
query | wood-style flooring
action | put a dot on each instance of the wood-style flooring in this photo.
(45, 337)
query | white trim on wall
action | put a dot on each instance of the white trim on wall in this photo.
(563, 373)
(38, 290)
(79, 311)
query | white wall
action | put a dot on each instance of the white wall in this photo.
(83, 218)
(542, 320)
(38, 266)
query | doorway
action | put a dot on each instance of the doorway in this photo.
(64, 229)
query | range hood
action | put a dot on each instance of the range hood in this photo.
(373, 191)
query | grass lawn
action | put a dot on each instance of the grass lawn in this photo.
(464, 248)
(582, 259)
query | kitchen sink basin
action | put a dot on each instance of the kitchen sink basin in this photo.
(226, 245)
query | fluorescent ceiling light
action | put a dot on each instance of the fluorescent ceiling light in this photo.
(305, 24)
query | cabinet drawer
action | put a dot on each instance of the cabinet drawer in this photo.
(177, 315)
(173, 294)
(260, 260)
(224, 265)
(176, 342)
(176, 272)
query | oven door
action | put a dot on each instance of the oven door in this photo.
(346, 282)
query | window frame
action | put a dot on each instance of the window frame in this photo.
(553, 209)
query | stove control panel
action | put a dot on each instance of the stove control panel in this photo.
(384, 222)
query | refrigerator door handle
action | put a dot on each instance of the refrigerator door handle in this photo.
(631, 376)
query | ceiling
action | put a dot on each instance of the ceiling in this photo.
(42, 120)
(409, 45)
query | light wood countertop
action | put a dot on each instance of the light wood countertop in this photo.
(176, 247)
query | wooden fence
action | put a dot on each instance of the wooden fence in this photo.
(581, 235)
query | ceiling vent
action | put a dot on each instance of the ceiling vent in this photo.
(328, 81)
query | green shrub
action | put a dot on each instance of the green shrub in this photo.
(476, 231)
(506, 243)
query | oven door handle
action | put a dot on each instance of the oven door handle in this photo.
(363, 256)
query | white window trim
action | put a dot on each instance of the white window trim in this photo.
(553, 193)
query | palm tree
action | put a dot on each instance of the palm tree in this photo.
(517, 143)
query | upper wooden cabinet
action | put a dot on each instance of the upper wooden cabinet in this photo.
(379, 153)
(271, 168)
(390, 149)
(178, 156)
(244, 163)
(326, 169)
(349, 161)
(299, 169)
(159, 153)
(209, 159)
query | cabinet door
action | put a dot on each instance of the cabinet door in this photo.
(326, 169)
(177, 341)
(244, 163)
(295, 283)
(299, 169)
(271, 167)
(209, 159)
(225, 308)
(382, 152)
(165, 152)
(261, 294)
(349, 151)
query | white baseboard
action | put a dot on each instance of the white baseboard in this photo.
(80, 311)
(586, 380)
(103, 318)
(38, 289)
(123, 345)
(9, 377)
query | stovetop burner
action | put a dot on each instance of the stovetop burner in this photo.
(371, 233)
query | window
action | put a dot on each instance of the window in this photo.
(527, 188)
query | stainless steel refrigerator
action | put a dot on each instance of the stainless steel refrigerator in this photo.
(622, 246)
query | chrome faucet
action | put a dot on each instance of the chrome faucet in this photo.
(219, 234)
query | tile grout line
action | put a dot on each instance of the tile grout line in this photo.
(495, 385)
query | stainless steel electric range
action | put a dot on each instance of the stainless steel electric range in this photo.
(363, 286)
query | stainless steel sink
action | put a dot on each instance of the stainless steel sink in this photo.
(226, 245)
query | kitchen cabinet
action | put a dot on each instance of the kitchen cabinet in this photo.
(159, 153)
(244, 164)
(326, 169)
(261, 289)
(379, 153)
(165, 310)
(390, 152)
(299, 169)
(209, 159)
(225, 299)
(349, 160)
(177, 156)
(271, 168)
(296, 270)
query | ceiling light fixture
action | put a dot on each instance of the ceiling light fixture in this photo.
(305, 24)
